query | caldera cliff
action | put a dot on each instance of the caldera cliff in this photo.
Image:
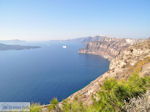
(106, 46)
(122, 66)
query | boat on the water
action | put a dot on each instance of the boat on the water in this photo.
(64, 46)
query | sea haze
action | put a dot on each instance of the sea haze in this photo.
(38, 75)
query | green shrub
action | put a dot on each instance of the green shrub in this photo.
(54, 101)
(74, 106)
(53, 104)
(35, 108)
(113, 93)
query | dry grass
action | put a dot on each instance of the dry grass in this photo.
(140, 104)
(137, 68)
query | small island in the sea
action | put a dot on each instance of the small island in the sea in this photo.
(16, 47)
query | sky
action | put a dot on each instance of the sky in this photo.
(66, 19)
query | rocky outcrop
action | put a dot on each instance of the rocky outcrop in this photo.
(131, 59)
(107, 47)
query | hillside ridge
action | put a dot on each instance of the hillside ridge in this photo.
(106, 46)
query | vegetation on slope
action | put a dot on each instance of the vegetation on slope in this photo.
(138, 66)
(35, 108)
(112, 96)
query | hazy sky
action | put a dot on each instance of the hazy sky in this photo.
(64, 19)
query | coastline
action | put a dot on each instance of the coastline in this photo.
(121, 67)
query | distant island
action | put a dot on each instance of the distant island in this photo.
(15, 47)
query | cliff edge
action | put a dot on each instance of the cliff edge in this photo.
(107, 47)
(132, 59)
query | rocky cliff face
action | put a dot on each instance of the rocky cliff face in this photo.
(135, 58)
(106, 47)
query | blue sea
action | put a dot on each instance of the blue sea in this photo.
(38, 75)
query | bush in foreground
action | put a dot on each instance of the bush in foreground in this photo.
(35, 108)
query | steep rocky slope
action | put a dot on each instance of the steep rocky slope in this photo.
(106, 46)
(135, 58)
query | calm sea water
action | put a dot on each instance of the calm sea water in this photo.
(38, 75)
